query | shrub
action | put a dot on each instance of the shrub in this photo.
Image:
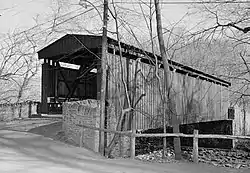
(243, 145)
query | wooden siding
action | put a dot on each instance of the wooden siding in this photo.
(241, 125)
(193, 99)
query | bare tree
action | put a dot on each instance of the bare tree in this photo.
(172, 46)
(167, 78)
(227, 23)
(18, 66)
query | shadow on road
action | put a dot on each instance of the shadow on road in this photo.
(26, 149)
(33, 148)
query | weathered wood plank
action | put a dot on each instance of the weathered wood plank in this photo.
(190, 95)
(218, 103)
(224, 102)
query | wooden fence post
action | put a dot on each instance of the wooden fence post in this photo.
(81, 135)
(195, 147)
(120, 145)
(132, 146)
(132, 139)
(30, 109)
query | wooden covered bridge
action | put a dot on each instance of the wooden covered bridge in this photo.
(72, 71)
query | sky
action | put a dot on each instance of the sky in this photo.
(21, 13)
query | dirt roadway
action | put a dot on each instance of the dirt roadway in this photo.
(30, 153)
(27, 123)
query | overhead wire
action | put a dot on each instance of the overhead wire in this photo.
(121, 2)
(132, 2)
(57, 24)
(13, 7)
(184, 2)
(19, 33)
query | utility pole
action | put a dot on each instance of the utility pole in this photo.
(103, 76)
(175, 124)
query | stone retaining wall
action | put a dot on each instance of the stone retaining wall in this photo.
(10, 112)
(87, 112)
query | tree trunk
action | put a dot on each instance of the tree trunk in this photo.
(177, 147)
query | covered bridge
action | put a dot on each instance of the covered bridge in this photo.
(71, 71)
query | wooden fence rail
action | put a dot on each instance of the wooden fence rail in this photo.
(191, 136)
(127, 133)
(195, 137)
